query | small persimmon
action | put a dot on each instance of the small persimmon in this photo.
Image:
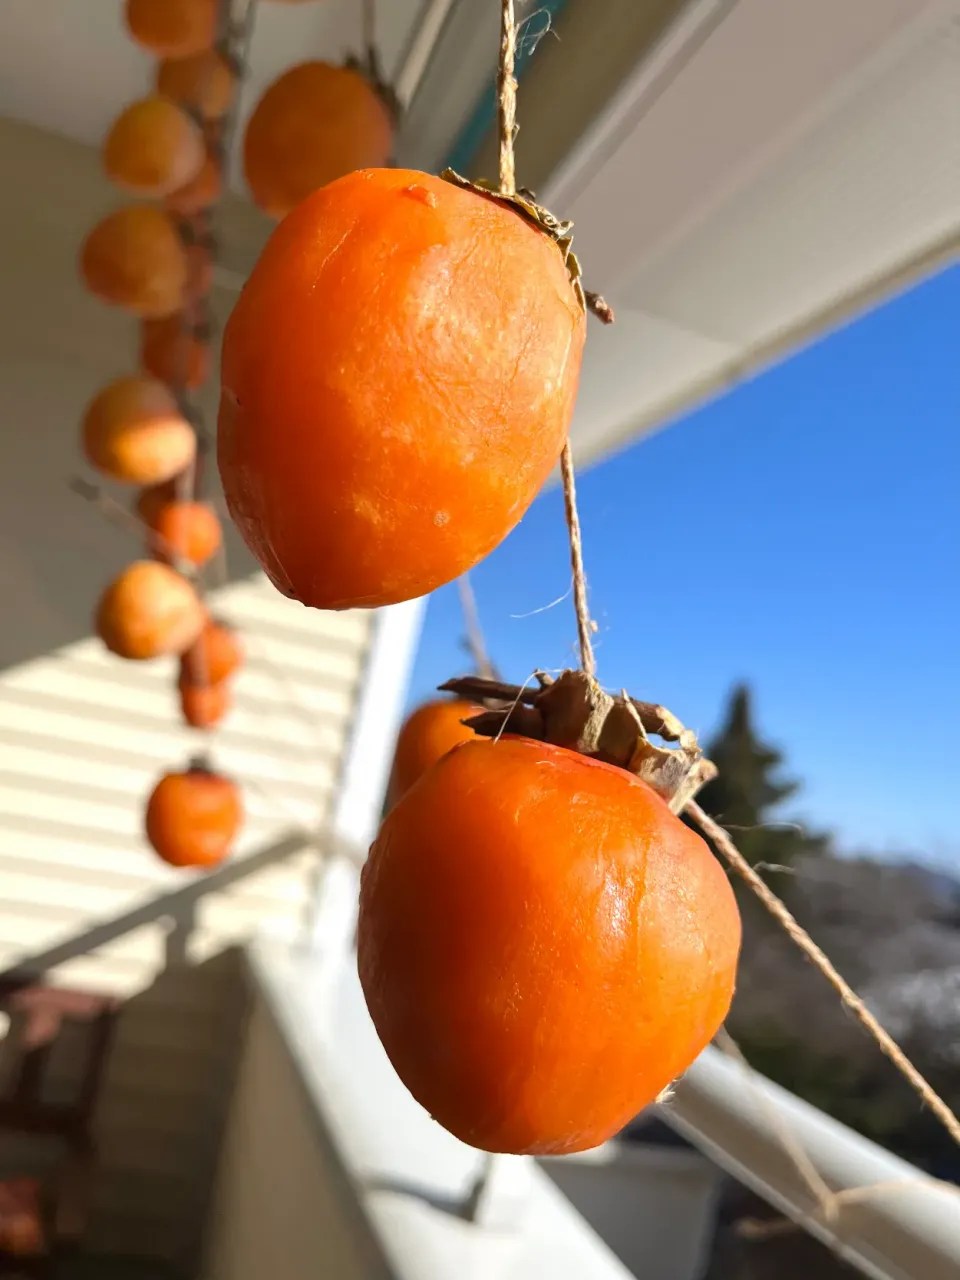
(185, 531)
(315, 123)
(216, 655)
(173, 28)
(153, 497)
(174, 350)
(204, 705)
(398, 377)
(154, 148)
(134, 258)
(133, 431)
(430, 732)
(148, 611)
(193, 817)
(203, 83)
(199, 193)
(543, 945)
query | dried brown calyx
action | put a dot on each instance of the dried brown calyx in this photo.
(574, 712)
(524, 203)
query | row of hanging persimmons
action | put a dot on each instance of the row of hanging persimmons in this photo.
(543, 945)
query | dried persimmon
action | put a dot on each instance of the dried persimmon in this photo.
(147, 611)
(543, 945)
(133, 431)
(398, 378)
(193, 817)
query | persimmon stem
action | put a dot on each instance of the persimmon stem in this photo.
(507, 96)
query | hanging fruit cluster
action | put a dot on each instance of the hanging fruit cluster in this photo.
(154, 259)
(542, 943)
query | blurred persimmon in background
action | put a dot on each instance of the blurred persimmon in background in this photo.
(186, 531)
(154, 148)
(133, 431)
(215, 655)
(193, 817)
(147, 611)
(152, 498)
(175, 350)
(173, 28)
(134, 258)
(427, 735)
(204, 705)
(315, 123)
(204, 83)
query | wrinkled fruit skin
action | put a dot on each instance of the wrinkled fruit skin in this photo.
(133, 431)
(314, 124)
(147, 611)
(427, 735)
(193, 817)
(543, 946)
(398, 379)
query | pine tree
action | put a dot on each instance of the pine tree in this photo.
(745, 794)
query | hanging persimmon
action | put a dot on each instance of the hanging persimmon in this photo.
(543, 945)
(176, 350)
(203, 83)
(193, 817)
(215, 656)
(154, 148)
(185, 531)
(134, 258)
(204, 705)
(315, 123)
(429, 733)
(199, 193)
(173, 28)
(390, 406)
(148, 611)
(133, 431)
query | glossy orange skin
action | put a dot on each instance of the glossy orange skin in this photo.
(216, 656)
(199, 193)
(204, 705)
(134, 258)
(204, 82)
(173, 28)
(389, 407)
(187, 531)
(315, 123)
(133, 431)
(148, 611)
(193, 817)
(171, 350)
(542, 944)
(427, 735)
(153, 148)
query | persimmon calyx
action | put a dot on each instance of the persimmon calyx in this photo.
(574, 712)
(524, 203)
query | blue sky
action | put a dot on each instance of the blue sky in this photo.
(819, 505)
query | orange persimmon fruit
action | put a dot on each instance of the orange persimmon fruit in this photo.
(193, 817)
(148, 611)
(202, 82)
(185, 531)
(174, 350)
(204, 705)
(215, 656)
(133, 431)
(426, 735)
(398, 377)
(173, 28)
(153, 497)
(315, 123)
(134, 258)
(543, 946)
(154, 148)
